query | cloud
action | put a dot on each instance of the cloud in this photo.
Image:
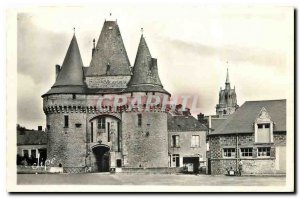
(236, 54)
(38, 50)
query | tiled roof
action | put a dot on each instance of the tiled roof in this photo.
(146, 88)
(184, 123)
(243, 119)
(28, 137)
(215, 122)
(110, 50)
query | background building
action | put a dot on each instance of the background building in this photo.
(255, 135)
(31, 146)
(187, 143)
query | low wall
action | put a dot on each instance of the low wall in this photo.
(38, 170)
(150, 170)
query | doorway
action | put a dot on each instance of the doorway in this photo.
(101, 158)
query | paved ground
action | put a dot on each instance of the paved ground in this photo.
(149, 179)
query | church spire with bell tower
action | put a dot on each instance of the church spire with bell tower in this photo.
(227, 99)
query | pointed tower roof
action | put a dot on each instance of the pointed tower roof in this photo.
(70, 77)
(227, 77)
(145, 72)
(110, 56)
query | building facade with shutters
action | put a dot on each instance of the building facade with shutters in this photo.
(255, 136)
(187, 143)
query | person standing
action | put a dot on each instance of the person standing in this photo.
(240, 167)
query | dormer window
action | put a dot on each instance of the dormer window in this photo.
(263, 127)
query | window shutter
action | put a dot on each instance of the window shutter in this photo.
(254, 152)
(272, 152)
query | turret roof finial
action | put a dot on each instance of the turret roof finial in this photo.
(74, 30)
(142, 31)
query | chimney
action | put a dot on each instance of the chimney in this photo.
(186, 112)
(40, 128)
(200, 117)
(57, 70)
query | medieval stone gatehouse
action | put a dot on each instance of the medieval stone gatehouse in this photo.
(85, 129)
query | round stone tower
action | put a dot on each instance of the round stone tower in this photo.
(64, 106)
(145, 134)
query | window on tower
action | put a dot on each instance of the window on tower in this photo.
(101, 123)
(66, 121)
(139, 120)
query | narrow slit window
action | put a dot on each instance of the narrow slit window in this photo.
(92, 132)
(66, 121)
(139, 120)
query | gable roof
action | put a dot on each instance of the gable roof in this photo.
(31, 137)
(184, 123)
(243, 119)
(110, 50)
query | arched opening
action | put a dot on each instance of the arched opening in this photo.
(101, 158)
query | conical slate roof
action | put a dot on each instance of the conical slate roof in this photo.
(109, 57)
(145, 72)
(71, 72)
(70, 77)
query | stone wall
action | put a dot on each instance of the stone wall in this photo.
(279, 138)
(67, 145)
(252, 164)
(145, 146)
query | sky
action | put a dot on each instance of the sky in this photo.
(194, 46)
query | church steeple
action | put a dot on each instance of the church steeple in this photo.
(227, 77)
(227, 99)
(227, 83)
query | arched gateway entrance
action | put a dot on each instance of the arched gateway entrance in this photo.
(101, 158)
